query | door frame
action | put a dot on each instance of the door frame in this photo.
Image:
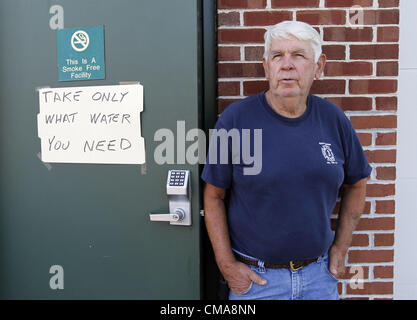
(210, 274)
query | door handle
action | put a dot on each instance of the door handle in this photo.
(178, 215)
(178, 188)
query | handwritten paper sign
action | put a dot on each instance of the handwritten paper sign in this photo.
(97, 124)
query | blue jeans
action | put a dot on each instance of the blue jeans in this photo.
(312, 282)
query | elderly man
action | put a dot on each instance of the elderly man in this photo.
(271, 231)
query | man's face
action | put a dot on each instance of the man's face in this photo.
(291, 68)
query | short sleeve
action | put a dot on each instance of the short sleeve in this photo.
(218, 169)
(356, 162)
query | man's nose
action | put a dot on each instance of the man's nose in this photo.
(287, 62)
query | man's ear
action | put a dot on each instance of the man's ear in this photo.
(266, 69)
(320, 66)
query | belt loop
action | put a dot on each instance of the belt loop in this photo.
(320, 258)
(261, 267)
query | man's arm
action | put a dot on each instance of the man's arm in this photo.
(237, 274)
(351, 207)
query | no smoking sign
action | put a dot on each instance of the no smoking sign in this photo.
(80, 40)
(81, 54)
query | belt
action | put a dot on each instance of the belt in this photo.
(293, 265)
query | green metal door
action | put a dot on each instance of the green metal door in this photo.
(90, 219)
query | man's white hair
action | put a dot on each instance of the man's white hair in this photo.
(296, 29)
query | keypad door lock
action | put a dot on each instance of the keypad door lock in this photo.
(179, 197)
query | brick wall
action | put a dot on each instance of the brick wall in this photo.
(361, 77)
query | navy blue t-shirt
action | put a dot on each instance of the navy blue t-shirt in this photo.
(283, 212)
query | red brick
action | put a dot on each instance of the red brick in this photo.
(241, 4)
(294, 3)
(348, 3)
(254, 53)
(365, 139)
(386, 139)
(360, 240)
(388, 3)
(384, 239)
(371, 256)
(388, 34)
(265, 18)
(228, 88)
(372, 86)
(386, 103)
(339, 287)
(240, 70)
(222, 104)
(375, 51)
(352, 103)
(334, 52)
(376, 224)
(372, 288)
(228, 53)
(385, 206)
(254, 87)
(370, 122)
(372, 17)
(380, 190)
(385, 173)
(228, 19)
(381, 156)
(383, 272)
(347, 34)
(322, 17)
(241, 35)
(387, 68)
(328, 87)
(358, 68)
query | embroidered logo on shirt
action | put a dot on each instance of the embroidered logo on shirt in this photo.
(327, 153)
